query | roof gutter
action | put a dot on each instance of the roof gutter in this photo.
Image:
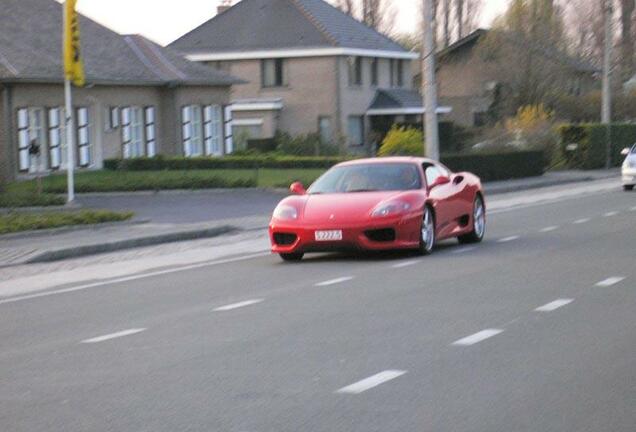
(299, 52)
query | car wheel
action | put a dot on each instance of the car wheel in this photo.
(628, 187)
(479, 223)
(427, 232)
(292, 257)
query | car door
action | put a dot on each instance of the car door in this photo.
(440, 195)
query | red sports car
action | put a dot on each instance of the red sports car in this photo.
(379, 204)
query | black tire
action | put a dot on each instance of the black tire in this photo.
(477, 234)
(427, 244)
(628, 187)
(292, 257)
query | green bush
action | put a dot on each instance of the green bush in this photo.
(498, 166)
(402, 141)
(29, 199)
(175, 163)
(591, 151)
(15, 222)
(264, 145)
(304, 145)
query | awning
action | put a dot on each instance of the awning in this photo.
(389, 102)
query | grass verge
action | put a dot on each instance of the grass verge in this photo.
(29, 198)
(17, 222)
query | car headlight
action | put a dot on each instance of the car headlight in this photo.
(286, 212)
(391, 209)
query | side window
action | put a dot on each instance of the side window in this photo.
(431, 172)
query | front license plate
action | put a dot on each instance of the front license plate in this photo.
(334, 235)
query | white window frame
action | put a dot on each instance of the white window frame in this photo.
(213, 130)
(84, 144)
(58, 157)
(150, 119)
(192, 129)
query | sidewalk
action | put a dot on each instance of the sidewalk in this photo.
(52, 245)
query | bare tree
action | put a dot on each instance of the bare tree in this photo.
(447, 6)
(379, 14)
(627, 38)
(347, 6)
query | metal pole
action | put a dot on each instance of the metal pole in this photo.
(606, 115)
(429, 86)
(70, 142)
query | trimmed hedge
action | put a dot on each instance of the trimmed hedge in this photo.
(591, 140)
(29, 199)
(498, 166)
(160, 163)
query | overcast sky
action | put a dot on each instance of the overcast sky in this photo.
(165, 20)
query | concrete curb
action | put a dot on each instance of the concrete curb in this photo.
(79, 251)
(496, 190)
(71, 228)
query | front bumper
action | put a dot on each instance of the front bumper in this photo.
(629, 176)
(300, 237)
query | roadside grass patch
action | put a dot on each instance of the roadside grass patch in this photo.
(27, 198)
(18, 221)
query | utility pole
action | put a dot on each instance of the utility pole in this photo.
(606, 115)
(429, 85)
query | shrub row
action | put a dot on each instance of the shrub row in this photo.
(15, 222)
(591, 148)
(498, 166)
(29, 199)
(160, 163)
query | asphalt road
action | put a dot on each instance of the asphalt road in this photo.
(533, 330)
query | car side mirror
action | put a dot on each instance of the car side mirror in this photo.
(297, 188)
(625, 151)
(441, 180)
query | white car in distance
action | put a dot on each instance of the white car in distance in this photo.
(629, 168)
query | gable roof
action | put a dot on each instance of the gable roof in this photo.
(31, 50)
(551, 53)
(266, 25)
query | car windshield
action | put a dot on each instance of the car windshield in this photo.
(368, 178)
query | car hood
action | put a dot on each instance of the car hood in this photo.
(344, 207)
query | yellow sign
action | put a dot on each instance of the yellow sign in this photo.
(73, 65)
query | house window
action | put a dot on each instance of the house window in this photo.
(192, 131)
(132, 128)
(324, 129)
(355, 71)
(213, 130)
(356, 130)
(273, 72)
(57, 138)
(113, 118)
(84, 147)
(374, 71)
(397, 73)
(31, 129)
(151, 140)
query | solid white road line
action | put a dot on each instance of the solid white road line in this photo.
(610, 281)
(132, 278)
(610, 214)
(465, 249)
(508, 239)
(581, 221)
(372, 381)
(334, 281)
(632, 209)
(113, 335)
(552, 306)
(549, 229)
(405, 264)
(477, 337)
(238, 305)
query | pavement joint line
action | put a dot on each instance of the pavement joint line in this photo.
(131, 278)
(334, 281)
(405, 264)
(581, 221)
(477, 337)
(238, 305)
(549, 229)
(552, 306)
(610, 281)
(610, 214)
(371, 382)
(116, 335)
(465, 249)
(508, 239)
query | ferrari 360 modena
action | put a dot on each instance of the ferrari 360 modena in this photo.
(377, 205)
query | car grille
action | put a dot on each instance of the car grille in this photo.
(284, 239)
(381, 235)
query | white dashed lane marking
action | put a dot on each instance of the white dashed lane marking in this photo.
(549, 229)
(581, 221)
(552, 306)
(372, 381)
(478, 337)
(610, 281)
(334, 281)
(465, 249)
(508, 239)
(405, 264)
(610, 214)
(113, 335)
(238, 305)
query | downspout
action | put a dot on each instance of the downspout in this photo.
(339, 105)
(7, 109)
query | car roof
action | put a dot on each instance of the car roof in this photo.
(391, 159)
